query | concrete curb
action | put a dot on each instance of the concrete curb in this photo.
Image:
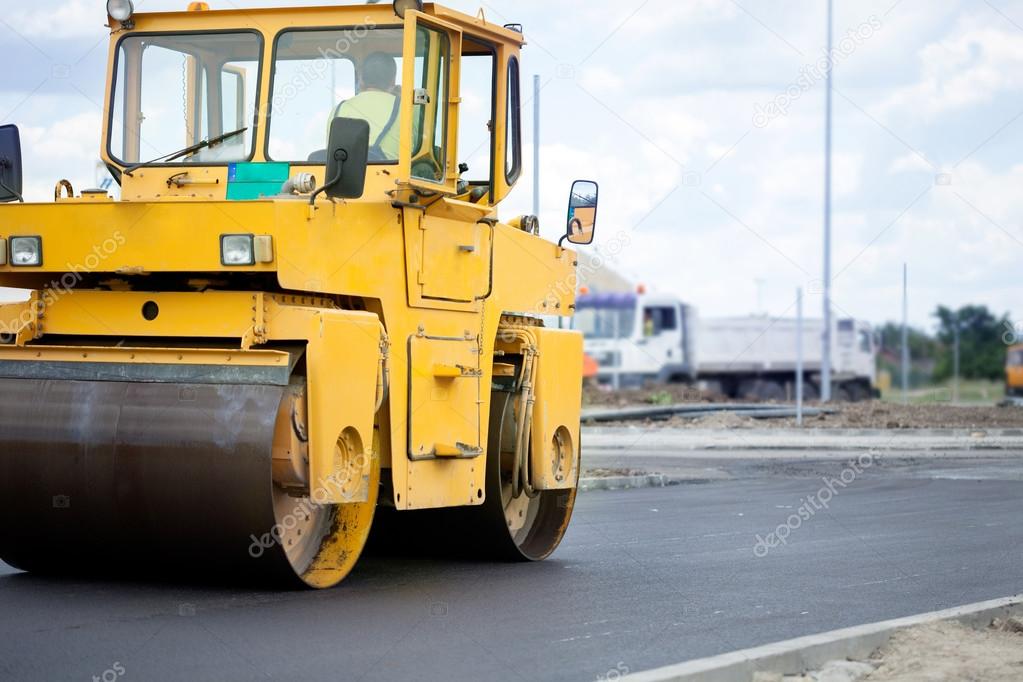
(795, 656)
(621, 438)
(623, 482)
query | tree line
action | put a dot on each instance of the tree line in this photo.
(983, 342)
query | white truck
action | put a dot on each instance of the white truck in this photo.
(639, 338)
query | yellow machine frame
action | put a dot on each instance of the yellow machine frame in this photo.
(402, 300)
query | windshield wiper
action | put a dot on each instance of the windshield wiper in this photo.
(187, 151)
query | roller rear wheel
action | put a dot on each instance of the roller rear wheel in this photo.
(520, 528)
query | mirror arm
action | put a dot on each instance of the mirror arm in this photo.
(342, 156)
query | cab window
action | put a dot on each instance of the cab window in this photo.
(430, 104)
(659, 320)
(513, 143)
(476, 111)
(321, 74)
(865, 340)
(174, 91)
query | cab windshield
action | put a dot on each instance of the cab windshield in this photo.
(319, 75)
(612, 317)
(174, 91)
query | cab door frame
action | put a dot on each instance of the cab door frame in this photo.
(452, 93)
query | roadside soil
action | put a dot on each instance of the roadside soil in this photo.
(950, 651)
(866, 415)
(945, 651)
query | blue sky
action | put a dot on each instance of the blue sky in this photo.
(658, 101)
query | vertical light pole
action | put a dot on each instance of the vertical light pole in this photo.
(826, 338)
(905, 333)
(536, 146)
(799, 357)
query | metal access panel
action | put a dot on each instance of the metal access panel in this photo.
(444, 398)
(455, 263)
(555, 434)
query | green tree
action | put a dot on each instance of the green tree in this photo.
(981, 348)
(923, 350)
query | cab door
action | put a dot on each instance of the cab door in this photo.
(429, 108)
(448, 249)
(661, 342)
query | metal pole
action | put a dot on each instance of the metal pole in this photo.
(905, 334)
(536, 145)
(799, 357)
(616, 379)
(955, 385)
(826, 339)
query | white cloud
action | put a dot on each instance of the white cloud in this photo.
(910, 163)
(69, 19)
(965, 69)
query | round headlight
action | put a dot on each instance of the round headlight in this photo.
(120, 10)
(402, 6)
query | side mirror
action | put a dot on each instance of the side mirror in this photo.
(582, 212)
(347, 159)
(10, 164)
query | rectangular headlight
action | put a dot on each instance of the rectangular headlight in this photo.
(237, 249)
(26, 251)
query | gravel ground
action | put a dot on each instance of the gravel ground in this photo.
(868, 415)
(938, 652)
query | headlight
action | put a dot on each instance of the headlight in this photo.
(402, 6)
(26, 251)
(120, 10)
(237, 249)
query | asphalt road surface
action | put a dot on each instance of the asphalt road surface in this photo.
(645, 578)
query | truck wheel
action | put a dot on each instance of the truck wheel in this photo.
(770, 390)
(858, 393)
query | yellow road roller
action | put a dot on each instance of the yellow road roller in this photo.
(1014, 372)
(298, 305)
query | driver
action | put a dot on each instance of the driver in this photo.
(378, 104)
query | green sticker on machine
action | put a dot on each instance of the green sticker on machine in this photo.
(250, 181)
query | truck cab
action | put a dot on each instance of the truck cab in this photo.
(857, 350)
(636, 337)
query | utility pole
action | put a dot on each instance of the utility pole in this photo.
(826, 339)
(955, 384)
(799, 357)
(905, 333)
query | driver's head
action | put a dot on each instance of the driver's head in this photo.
(379, 72)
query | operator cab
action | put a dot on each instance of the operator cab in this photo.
(230, 104)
